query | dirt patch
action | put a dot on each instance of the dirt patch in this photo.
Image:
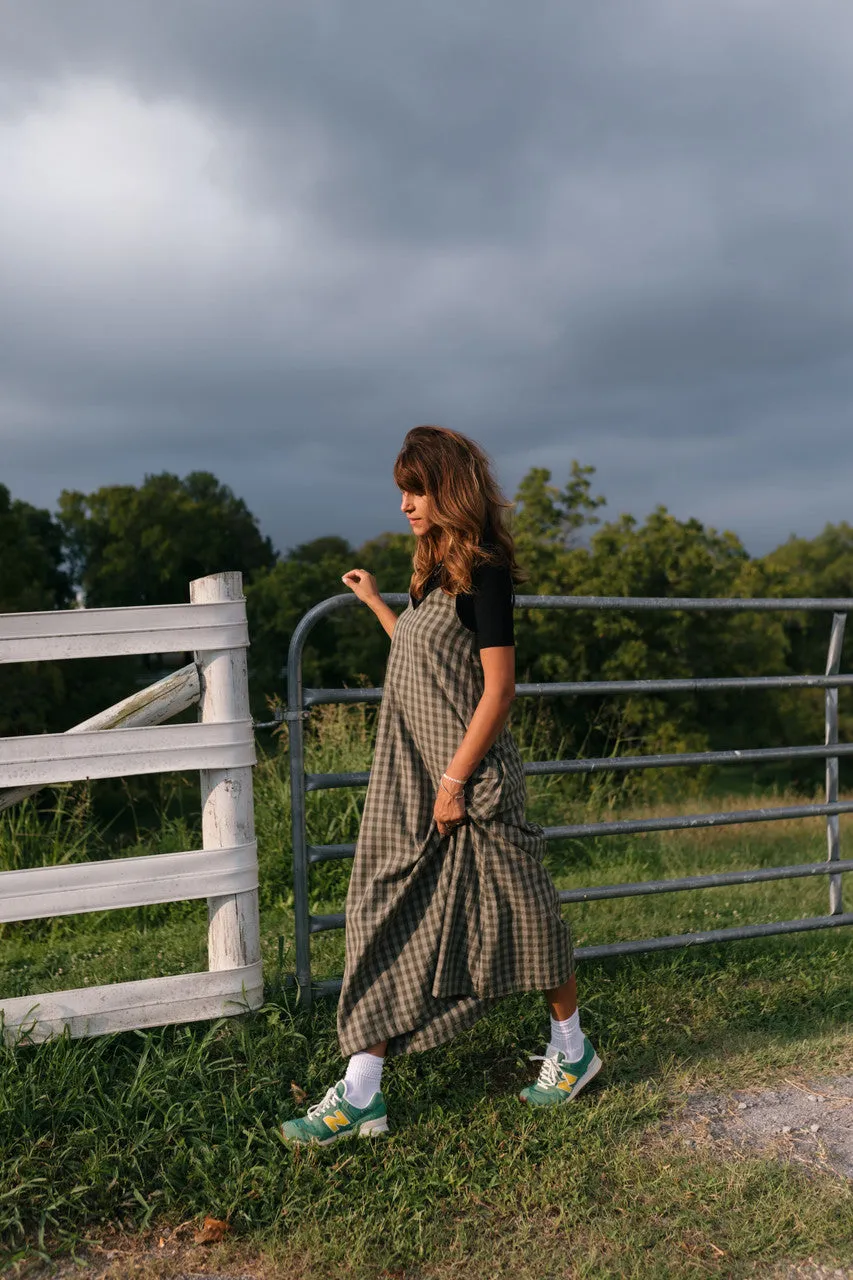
(150, 1256)
(810, 1122)
(807, 1271)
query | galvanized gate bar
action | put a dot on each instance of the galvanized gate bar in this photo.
(833, 836)
(738, 934)
(681, 604)
(300, 700)
(637, 826)
(687, 822)
(622, 764)
(640, 946)
(715, 880)
(575, 688)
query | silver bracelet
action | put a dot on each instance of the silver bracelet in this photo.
(462, 781)
(455, 795)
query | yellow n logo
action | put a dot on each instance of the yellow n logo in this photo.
(336, 1121)
(567, 1082)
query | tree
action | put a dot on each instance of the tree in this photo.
(812, 567)
(144, 545)
(277, 598)
(32, 578)
(661, 557)
(548, 525)
(666, 557)
(347, 647)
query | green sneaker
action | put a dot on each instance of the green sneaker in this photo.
(560, 1080)
(335, 1117)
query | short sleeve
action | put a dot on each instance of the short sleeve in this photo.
(493, 600)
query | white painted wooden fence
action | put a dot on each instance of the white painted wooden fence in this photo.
(130, 739)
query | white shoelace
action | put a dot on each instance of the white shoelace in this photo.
(549, 1074)
(330, 1100)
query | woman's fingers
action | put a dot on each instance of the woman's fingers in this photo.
(446, 825)
(361, 581)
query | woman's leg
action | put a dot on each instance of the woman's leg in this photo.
(566, 1034)
(364, 1074)
(569, 1062)
(563, 1000)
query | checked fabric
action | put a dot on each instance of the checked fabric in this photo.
(437, 926)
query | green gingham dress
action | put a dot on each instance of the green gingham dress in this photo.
(437, 926)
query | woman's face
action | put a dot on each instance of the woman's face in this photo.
(417, 509)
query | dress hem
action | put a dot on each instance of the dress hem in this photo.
(478, 1010)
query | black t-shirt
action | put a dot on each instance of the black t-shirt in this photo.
(487, 609)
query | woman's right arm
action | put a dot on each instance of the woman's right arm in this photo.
(364, 586)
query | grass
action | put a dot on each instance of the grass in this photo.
(145, 1130)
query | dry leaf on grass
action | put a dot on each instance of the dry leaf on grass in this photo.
(299, 1095)
(212, 1231)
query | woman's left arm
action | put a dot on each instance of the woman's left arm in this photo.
(490, 716)
(491, 712)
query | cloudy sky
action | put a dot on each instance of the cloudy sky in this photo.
(265, 238)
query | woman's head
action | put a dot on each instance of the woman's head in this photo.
(451, 496)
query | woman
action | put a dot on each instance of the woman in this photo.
(449, 906)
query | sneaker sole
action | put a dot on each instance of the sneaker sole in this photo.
(591, 1071)
(367, 1129)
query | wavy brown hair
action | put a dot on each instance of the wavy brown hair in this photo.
(466, 501)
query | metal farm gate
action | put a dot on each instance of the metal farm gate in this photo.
(301, 700)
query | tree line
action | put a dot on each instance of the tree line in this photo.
(131, 545)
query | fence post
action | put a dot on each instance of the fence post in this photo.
(833, 833)
(233, 928)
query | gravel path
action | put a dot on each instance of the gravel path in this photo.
(810, 1122)
(808, 1271)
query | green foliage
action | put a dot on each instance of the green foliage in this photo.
(140, 546)
(50, 830)
(32, 578)
(31, 553)
(143, 546)
(276, 599)
(346, 648)
(548, 523)
(821, 566)
(661, 557)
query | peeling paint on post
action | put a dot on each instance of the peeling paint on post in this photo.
(233, 933)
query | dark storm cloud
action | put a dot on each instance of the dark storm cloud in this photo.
(266, 239)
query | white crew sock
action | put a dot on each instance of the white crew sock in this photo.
(567, 1037)
(363, 1078)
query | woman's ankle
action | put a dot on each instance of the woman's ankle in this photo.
(363, 1077)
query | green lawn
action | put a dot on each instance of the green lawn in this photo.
(153, 1128)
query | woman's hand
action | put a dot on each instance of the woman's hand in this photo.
(363, 584)
(449, 810)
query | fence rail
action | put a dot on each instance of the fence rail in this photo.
(206, 625)
(126, 740)
(305, 855)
